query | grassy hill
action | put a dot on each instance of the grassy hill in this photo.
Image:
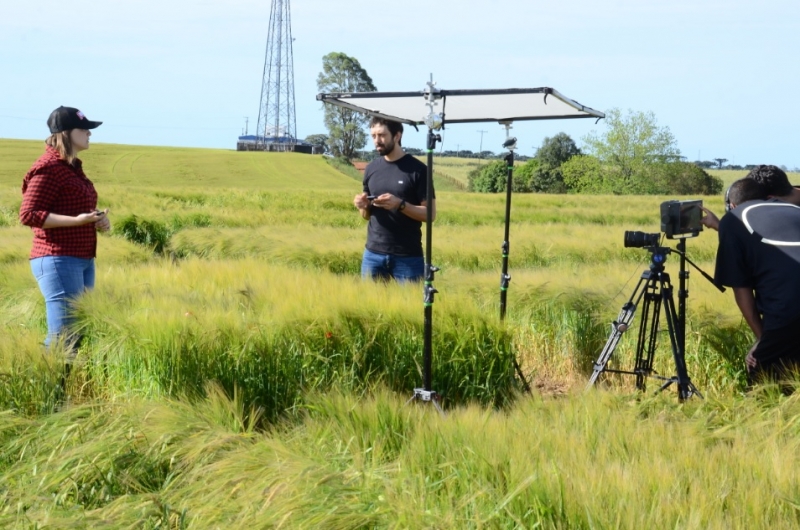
(185, 167)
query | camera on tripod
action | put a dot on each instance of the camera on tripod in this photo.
(679, 219)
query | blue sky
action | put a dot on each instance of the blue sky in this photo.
(722, 75)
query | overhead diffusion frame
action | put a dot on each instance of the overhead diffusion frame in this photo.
(466, 106)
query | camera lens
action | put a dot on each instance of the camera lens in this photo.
(637, 239)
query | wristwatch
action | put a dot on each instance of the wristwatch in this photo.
(402, 205)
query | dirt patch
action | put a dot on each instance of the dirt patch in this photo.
(550, 387)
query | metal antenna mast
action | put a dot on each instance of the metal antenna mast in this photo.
(276, 117)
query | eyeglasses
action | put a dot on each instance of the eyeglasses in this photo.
(728, 199)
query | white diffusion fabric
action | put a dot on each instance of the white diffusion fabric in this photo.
(465, 106)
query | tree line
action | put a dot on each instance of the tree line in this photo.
(633, 155)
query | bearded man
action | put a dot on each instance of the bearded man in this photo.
(394, 201)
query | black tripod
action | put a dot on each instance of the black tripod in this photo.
(655, 289)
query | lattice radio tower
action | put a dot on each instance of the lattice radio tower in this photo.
(276, 128)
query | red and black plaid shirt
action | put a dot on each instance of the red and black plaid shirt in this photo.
(54, 186)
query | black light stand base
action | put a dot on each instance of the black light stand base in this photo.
(420, 394)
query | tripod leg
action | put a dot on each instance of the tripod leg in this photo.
(647, 341)
(685, 387)
(618, 327)
(438, 407)
(521, 375)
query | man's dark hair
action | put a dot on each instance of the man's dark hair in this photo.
(393, 126)
(773, 179)
(746, 189)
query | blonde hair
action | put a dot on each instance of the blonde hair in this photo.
(62, 143)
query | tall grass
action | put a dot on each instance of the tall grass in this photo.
(275, 333)
(353, 461)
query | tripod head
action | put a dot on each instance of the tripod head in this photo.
(658, 256)
(652, 243)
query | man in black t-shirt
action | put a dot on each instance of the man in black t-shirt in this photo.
(759, 258)
(394, 202)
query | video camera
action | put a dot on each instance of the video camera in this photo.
(679, 219)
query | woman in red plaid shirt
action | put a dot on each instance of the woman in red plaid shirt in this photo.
(60, 205)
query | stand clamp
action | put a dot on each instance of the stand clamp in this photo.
(505, 278)
(429, 290)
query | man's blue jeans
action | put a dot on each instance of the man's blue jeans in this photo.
(62, 279)
(385, 266)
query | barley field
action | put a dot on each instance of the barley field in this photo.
(236, 372)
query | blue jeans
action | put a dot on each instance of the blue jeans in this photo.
(385, 266)
(62, 279)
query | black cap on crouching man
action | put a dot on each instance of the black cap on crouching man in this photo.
(68, 118)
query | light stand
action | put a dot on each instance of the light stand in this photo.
(505, 278)
(434, 122)
(655, 288)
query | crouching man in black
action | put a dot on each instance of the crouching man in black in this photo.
(759, 258)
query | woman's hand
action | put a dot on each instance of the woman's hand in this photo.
(103, 224)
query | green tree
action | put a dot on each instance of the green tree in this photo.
(551, 155)
(684, 178)
(318, 140)
(492, 177)
(584, 174)
(489, 178)
(523, 174)
(344, 74)
(633, 148)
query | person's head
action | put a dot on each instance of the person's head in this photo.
(386, 134)
(774, 180)
(69, 132)
(743, 190)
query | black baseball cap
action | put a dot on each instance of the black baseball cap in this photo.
(68, 118)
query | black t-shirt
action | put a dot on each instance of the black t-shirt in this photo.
(393, 232)
(759, 248)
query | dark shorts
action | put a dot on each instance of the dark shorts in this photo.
(778, 353)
